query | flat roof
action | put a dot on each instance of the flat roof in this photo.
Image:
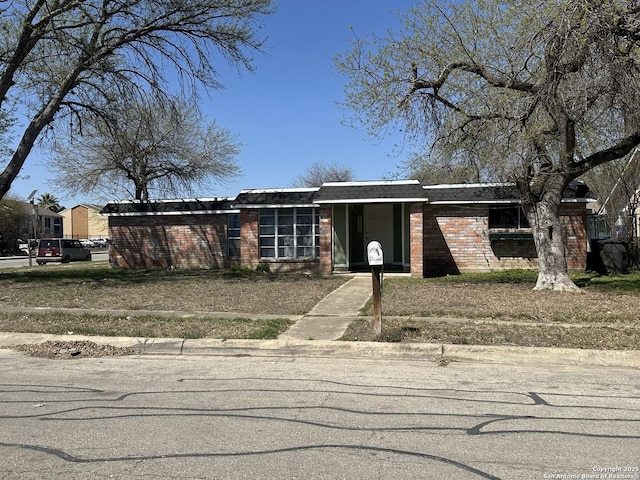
(331, 193)
(168, 207)
(390, 191)
(277, 197)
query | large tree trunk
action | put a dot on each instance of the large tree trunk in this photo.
(544, 217)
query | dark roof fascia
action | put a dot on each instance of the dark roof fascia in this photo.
(494, 193)
(391, 191)
(276, 198)
(197, 206)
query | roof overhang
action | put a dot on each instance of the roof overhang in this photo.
(381, 191)
(172, 213)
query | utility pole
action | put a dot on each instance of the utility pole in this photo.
(31, 200)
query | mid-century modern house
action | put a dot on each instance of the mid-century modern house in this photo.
(424, 230)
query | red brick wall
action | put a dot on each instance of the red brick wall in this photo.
(200, 241)
(575, 233)
(249, 247)
(416, 240)
(195, 241)
(456, 239)
(326, 250)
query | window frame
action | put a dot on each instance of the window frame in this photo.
(285, 233)
(521, 222)
(234, 235)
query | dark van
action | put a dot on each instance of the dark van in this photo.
(61, 250)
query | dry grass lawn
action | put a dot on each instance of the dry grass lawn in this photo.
(494, 309)
(100, 287)
(96, 289)
(503, 309)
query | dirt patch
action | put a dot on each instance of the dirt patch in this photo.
(67, 350)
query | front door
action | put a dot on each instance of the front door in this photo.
(378, 225)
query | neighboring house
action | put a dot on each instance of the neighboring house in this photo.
(85, 221)
(40, 222)
(432, 230)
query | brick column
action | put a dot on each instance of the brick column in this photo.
(249, 248)
(574, 220)
(326, 246)
(416, 239)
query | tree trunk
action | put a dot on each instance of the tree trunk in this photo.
(544, 218)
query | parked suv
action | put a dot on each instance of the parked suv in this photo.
(61, 250)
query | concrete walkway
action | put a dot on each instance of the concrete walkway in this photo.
(332, 315)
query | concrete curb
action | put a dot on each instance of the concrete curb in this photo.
(291, 347)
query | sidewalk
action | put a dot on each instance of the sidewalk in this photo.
(332, 315)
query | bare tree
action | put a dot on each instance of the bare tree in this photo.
(544, 90)
(443, 170)
(147, 148)
(61, 60)
(318, 173)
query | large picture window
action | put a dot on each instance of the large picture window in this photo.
(289, 233)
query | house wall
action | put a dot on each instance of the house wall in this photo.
(574, 216)
(444, 239)
(456, 239)
(98, 226)
(193, 241)
(249, 247)
(200, 241)
(326, 258)
(84, 222)
(79, 222)
(416, 239)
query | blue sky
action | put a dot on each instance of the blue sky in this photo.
(286, 113)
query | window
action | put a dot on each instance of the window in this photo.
(289, 233)
(233, 235)
(57, 227)
(507, 217)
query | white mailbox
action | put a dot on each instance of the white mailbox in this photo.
(374, 253)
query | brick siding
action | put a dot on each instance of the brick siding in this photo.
(196, 241)
(456, 239)
(326, 240)
(249, 247)
(416, 240)
(444, 239)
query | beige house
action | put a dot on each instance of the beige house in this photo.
(84, 221)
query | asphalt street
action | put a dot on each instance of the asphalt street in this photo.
(245, 417)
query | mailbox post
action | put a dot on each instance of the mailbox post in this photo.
(376, 262)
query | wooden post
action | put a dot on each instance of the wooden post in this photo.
(377, 300)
